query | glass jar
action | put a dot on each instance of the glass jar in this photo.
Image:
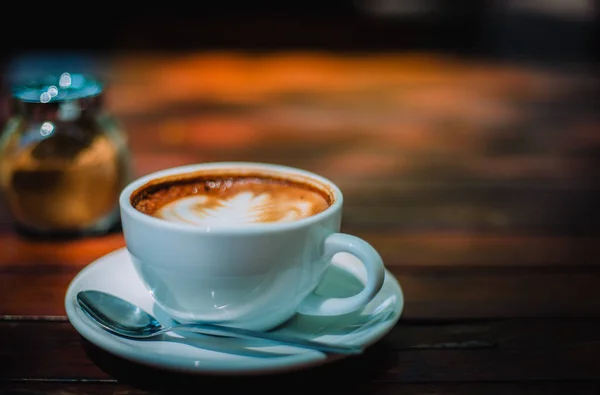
(63, 158)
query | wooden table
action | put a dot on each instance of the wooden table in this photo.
(475, 180)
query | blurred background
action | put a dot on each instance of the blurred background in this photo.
(465, 134)
(452, 115)
(540, 30)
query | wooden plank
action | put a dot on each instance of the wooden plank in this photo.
(53, 255)
(424, 152)
(452, 198)
(373, 78)
(439, 249)
(430, 293)
(44, 350)
(385, 167)
(525, 219)
(448, 293)
(302, 387)
(413, 352)
(512, 214)
(400, 199)
(401, 248)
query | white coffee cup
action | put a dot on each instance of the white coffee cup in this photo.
(253, 276)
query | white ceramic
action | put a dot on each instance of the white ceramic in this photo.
(198, 354)
(254, 276)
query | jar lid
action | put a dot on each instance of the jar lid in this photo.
(56, 89)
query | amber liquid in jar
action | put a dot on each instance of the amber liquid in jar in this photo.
(64, 163)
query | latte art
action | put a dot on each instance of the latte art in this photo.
(231, 200)
(243, 208)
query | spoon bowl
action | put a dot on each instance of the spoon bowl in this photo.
(125, 319)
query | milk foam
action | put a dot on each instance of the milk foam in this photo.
(242, 208)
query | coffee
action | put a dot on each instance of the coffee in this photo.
(231, 199)
(255, 258)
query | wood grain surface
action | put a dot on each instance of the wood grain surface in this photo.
(477, 182)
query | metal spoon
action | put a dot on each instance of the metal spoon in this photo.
(125, 319)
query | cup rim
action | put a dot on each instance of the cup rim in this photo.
(134, 214)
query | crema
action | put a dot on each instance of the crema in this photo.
(231, 200)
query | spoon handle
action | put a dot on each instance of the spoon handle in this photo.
(219, 330)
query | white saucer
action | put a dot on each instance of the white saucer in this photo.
(200, 354)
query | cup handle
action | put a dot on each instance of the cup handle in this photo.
(315, 304)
